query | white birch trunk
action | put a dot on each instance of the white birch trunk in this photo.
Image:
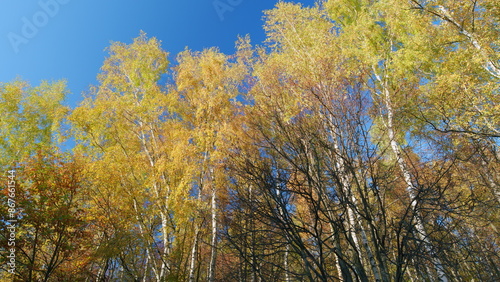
(493, 185)
(287, 274)
(141, 230)
(192, 259)
(159, 195)
(213, 253)
(145, 276)
(489, 65)
(354, 218)
(395, 147)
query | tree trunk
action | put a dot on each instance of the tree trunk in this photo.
(395, 147)
(287, 270)
(213, 245)
(192, 258)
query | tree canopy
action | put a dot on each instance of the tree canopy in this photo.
(359, 142)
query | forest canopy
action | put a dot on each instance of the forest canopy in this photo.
(359, 142)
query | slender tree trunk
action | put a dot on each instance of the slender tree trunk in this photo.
(146, 267)
(159, 195)
(489, 64)
(354, 219)
(99, 273)
(354, 227)
(144, 237)
(395, 147)
(317, 182)
(213, 253)
(368, 250)
(287, 269)
(381, 258)
(192, 259)
(342, 267)
(166, 245)
(194, 248)
(490, 181)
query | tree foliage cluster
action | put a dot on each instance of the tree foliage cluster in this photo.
(358, 143)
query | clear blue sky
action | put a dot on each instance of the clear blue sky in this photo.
(65, 39)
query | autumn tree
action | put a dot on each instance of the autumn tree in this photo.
(32, 122)
(133, 140)
(55, 238)
(359, 142)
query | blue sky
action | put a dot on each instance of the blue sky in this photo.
(66, 39)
